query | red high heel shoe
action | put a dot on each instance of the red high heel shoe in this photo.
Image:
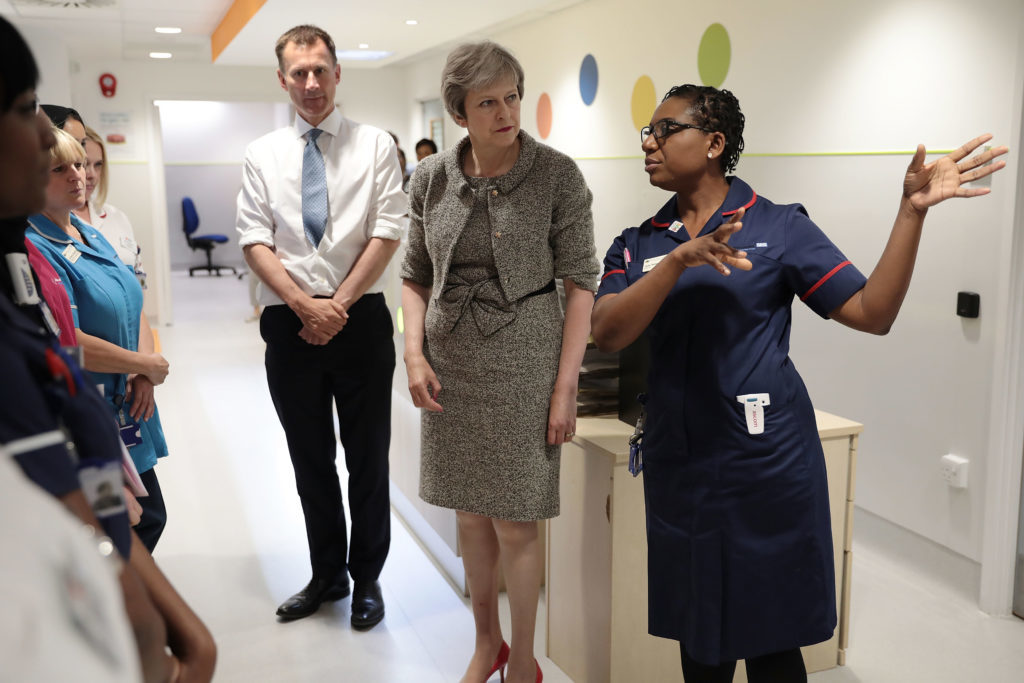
(499, 662)
(540, 674)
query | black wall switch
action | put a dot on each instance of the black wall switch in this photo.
(967, 304)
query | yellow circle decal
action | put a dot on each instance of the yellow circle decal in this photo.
(644, 101)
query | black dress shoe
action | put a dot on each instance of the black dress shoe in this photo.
(309, 599)
(367, 605)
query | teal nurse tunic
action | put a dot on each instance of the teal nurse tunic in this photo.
(106, 302)
(738, 530)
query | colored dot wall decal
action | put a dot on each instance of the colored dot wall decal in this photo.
(588, 80)
(544, 116)
(644, 101)
(714, 55)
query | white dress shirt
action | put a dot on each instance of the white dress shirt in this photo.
(364, 194)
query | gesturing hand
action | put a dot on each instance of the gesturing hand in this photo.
(926, 185)
(714, 248)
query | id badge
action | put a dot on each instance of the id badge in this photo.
(102, 484)
(753, 408)
(131, 431)
(636, 440)
(51, 322)
(23, 286)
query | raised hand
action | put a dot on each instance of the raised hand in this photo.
(713, 249)
(925, 185)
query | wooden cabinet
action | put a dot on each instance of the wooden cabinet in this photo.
(597, 559)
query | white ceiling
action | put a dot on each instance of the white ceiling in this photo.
(123, 29)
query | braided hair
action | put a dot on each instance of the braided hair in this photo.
(719, 112)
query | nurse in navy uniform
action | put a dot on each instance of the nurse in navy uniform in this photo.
(738, 530)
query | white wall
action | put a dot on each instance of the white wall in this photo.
(51, 56)
(823, 77)
(204, 143)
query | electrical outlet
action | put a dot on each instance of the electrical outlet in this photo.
(954, 470)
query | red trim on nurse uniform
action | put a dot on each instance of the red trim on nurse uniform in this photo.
(612, 272)
(823, 280)
(745, 206)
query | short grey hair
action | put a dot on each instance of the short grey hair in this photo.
(475, 66)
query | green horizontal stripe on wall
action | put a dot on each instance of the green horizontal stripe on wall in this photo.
(877, 153)
(203, 163)
(137, 162)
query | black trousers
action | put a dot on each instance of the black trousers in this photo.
(154, 513)
(353, 371)
(779, 667)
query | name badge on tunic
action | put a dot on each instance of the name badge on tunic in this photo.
(649, 263)
(71, 253)
(753, 405)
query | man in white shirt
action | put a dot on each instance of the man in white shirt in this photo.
(320, 214)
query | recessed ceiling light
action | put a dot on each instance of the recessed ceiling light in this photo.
(363, 46)
(160, 55)
(362, 55)
(167, 29)
(411, 22)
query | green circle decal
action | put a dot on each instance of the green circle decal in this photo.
(713, 56)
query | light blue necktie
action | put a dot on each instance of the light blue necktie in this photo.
(314, 190)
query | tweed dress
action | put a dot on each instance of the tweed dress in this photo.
(496, 360)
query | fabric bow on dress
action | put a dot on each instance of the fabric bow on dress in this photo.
(491, 310)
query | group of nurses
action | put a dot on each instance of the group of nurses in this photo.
(106, 307)
(738, 529)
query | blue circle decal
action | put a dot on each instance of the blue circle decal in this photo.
(588, 79)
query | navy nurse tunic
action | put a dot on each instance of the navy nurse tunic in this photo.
(738, 531)
(106, 302)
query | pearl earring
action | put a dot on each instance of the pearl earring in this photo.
(709, 155)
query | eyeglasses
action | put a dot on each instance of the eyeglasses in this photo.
(665, 128)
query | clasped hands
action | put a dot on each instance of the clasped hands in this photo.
(321, 320)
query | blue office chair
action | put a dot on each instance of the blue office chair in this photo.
(190, 223)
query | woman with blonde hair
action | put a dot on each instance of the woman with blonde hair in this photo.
(107, 218)
(106, 305)
(494, 221)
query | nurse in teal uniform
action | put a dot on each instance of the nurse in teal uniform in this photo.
(106, 305)
(740, 550)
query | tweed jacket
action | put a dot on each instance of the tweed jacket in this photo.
(541, 224)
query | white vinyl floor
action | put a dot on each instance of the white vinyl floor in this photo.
(235, 547)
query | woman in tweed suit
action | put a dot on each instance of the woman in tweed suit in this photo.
(494, 221)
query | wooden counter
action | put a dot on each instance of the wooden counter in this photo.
(597, 559)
